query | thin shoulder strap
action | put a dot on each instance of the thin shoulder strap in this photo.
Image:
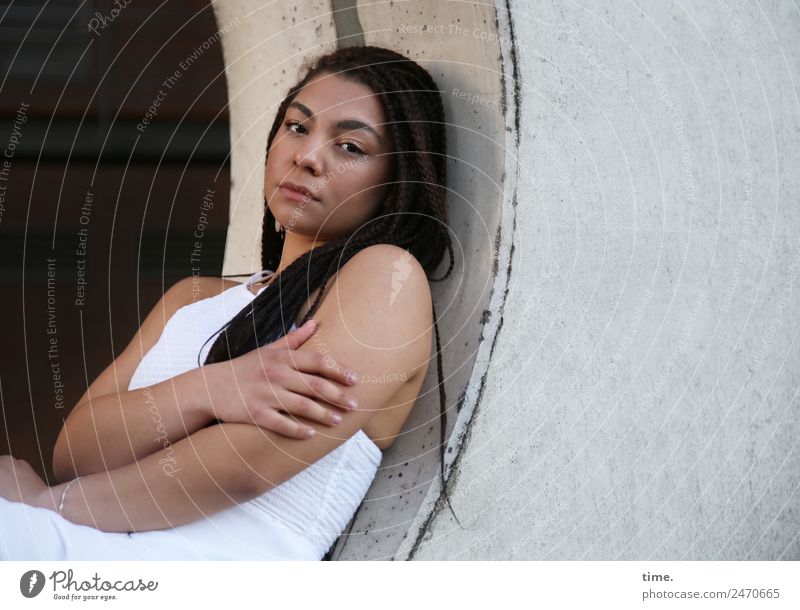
(257, 276)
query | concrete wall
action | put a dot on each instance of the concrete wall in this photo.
(641, 401)
(627, 215)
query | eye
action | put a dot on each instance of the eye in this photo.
(290, 124)
(357, 149)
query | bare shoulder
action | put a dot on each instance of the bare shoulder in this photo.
(117, 375)
(375, 318)
(388, 255)
(390, 273)
(381, 300)
(183, 292)
(195, 288)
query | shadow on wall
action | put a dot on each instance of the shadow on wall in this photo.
(465, 62)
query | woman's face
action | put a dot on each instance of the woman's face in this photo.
(334, 142)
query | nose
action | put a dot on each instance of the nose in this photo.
(309, 155)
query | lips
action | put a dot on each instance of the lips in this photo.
(297, 192)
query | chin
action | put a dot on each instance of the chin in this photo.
(282, 211)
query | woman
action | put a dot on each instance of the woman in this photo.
(194, 444)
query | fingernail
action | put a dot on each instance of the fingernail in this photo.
(352, 377)
(352, 403)
(310, 432)
(337, 419)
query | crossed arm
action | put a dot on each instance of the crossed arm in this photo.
(213, 468)
(204, 473)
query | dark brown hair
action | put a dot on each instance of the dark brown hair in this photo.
(413, 215)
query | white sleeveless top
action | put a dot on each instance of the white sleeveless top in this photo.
(312, 508)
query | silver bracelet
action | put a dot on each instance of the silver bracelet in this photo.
(64, 495)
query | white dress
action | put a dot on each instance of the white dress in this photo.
(297, 520)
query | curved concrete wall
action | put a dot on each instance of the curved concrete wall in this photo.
(641, 400)
(621, 326)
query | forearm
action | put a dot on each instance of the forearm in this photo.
(115, 430)
(196, 477)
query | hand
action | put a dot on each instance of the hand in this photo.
(20, 483)
(269, 384)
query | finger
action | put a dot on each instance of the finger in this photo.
(295, 338)
(320, 364)
(319, 388)
(305, 406)
(285, 425)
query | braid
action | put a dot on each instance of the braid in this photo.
(413, 215)
(443, 414)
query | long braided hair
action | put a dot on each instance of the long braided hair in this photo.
(413, 214)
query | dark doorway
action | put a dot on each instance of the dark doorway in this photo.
(114, 183)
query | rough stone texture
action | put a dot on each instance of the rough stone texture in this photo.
(641, 402)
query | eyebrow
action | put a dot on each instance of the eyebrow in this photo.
(343, 124)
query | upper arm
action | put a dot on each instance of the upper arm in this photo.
(376, 320)
(117, 375)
